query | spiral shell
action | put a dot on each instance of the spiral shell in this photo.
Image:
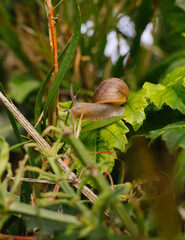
(113, 90)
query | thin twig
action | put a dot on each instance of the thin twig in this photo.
(110, 178)
(39, 119)
(52, 33)
(5, 236)
(72, 178)
(57, 4)
(79, 126)
(33, 180)
(52, 111)
(33, 200)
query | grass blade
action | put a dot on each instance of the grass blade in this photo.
(11, 38)
(13, 122)
(19, 145)
(85, 158)
(65, 64)
(38, 103)
(89, 125)
(43, 213)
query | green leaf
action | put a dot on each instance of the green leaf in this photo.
(64, 114)
(165, 66)
(101, 143)
(13, 121)
(4, 155)
(99, 178)
(173, 135)
(11, 38)
(171, 91)
(65, 64)
(179, 171)
(21, 85)
(134, 109)
(173, 78)
(90, 125)
(44, 213)
(19, 145)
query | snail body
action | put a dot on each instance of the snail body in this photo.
(107, 101)
(96, 111)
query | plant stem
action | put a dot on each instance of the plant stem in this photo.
(116, 204)
(71, 177)
(5, 236)
(52, 112)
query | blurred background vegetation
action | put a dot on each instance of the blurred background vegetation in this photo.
(137, 41)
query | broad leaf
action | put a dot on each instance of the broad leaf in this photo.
(101, 143)
(134, 109)
(171, 91)
(173, 135)
(165, 66)
(174, 77)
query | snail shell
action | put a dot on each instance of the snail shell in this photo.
(113, 90)
(107, 101)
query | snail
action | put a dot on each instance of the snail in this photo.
(107, 100)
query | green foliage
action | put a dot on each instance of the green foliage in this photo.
(138, 179)
(38, 103)
(13, 121)
(4, 156)
(173, 134)
(10, 37)
(134, 109)
(65, 64)
(21, 85)
(102, 143)
(170, 91)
